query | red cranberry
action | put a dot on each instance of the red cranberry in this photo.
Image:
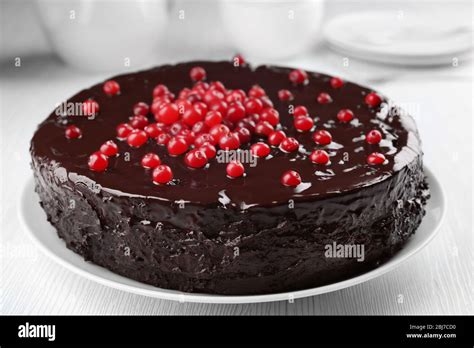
(123, 130)
(90, 107)
(213, 118)
(195, 158)
(163, 100)
(322, 137)
(176, 127)
(228, 123)
(163, 139)
(183, 94)
(192, 116)
(319, 157)
(271, 116)
(243, 134)
(162, 174)
(289, 145)
(168, 98)
(235, 169)
(201, 86)
(373, 99)
(209, 150)
(187, 135)
(199, 128)
(217, 85)
(260, 149)
(239, 94)
(345, 115)
(298, 77)
(157, 105)
(236, 95)
(238, 60)
(212, 96)
(247, 123)
(376, 158)
(160, 90)
(204, 138)
(219, 105)
(139, 122)
(109, 148)
(253, 106)
(219, 131)
(98, 162)
(177, 146)
(275, 138)
(195, 97)
(235, 112)
(257, 92)
(336, 82)
(255, 118)
(303, 123)
(168, 114)
(300, 110)
(285, 95)
(73, 132)
(111, 88)
(290, 178)
(141, 108)
(151, 160)
(153, 130)
(266, 102)
(197, 73)
(230, 141)
(264, 128)
(324, 98)
(137, 138)
(373, 137)
(183, 106)
(200, 107)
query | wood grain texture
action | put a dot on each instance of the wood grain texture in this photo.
(438, 280)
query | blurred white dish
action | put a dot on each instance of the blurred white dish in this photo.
(387, 38)
(195, 31)
(45, 236)
(105, 35)
(272, 29)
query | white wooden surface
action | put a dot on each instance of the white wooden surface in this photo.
(439, 280)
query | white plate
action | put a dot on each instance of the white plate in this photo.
(381, 36)
(44, 235)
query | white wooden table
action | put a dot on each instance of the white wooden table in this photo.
(438, 280)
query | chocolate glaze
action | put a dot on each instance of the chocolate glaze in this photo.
(209, 186)
(233, 236)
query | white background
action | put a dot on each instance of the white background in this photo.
(438, 280)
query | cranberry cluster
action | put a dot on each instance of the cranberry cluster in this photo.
(99, 161)
(209, 116)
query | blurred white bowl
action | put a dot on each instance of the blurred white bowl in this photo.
(196, 31)
(272, 29)
(105, 35)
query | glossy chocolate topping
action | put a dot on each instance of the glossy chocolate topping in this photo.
(261, 186)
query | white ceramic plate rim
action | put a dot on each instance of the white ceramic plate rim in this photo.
(387, 59)
(126, 284)
(438, 54)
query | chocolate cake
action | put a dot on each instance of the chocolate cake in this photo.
(222, 178)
